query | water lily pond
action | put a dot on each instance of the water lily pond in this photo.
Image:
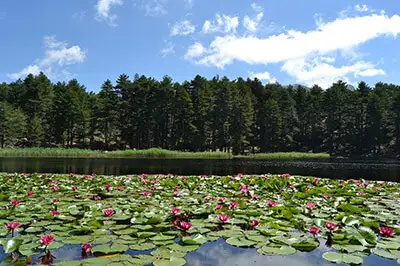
(197, 220)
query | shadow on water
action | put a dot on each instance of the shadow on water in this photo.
(333, 168)
(219, 253)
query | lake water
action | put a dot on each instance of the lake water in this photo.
(378, 170)
(219, 253)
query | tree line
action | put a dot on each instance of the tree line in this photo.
(240, 116)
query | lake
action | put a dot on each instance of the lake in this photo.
(329, 168)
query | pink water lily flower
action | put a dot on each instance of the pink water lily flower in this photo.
(271, 204)
(86, 248)
(378, 188)
(286, 175)
(177, 193)
(233, 204)
(207, 198)
(244, 189)
(310, 205)
(254, 197)
(11, 226)
(54, 188)
(313, 230)
(46, 240)
(185, 225)
(56, 200)
(219, 206)
(97, 197)
(55, 213)
(316, 179)
(331, 226)
(255, 223)
(29, 193)
(175, 211)
(108, 212)
(221, 199)
(176, 223)
(15, 202)
(386, 231)
(360, 194)
(74, 188)
(107, 187)
(146, 194)
(223, 218)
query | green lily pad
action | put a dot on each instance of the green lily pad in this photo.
(339, 258)
(170, 262)
(280, 251)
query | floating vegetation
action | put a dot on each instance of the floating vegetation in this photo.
(164, 217)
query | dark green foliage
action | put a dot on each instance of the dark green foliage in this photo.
(238, 116)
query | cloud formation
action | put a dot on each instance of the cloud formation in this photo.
(222, 24)
(154, 7)
(103, 8)
(262, 76)
(168, 49)
(297, 49)
(183, 27)
(57, 56)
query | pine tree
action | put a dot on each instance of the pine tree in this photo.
(108, 117)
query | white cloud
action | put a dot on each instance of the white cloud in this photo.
(252, 24)
(103, 8)
(296, 49)
(257, 8)
(355, 10)
(154, 7)
(319, 71)
(372, 72)
(262, 76)
(341, 34)
(196, 50)
(221, 23)
(183, 27)
(57, 56)
(361, 8)
(168, 49)
(31, 69)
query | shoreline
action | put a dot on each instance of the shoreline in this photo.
(151, 154)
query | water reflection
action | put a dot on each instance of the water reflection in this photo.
(219, 253)
(387, 170)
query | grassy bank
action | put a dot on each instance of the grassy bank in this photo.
(291, 156)
(151, 153)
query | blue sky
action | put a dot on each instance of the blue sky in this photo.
(286, 41)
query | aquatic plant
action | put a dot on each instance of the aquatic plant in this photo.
(275, 214)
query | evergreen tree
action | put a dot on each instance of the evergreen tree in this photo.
(108, 115)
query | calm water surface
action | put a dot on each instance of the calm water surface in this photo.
(219, 253)
(216, 253)
(380, 170)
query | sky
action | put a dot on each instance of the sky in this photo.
(287, 41)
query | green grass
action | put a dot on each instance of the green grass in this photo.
(291, 156)
(151, 153)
